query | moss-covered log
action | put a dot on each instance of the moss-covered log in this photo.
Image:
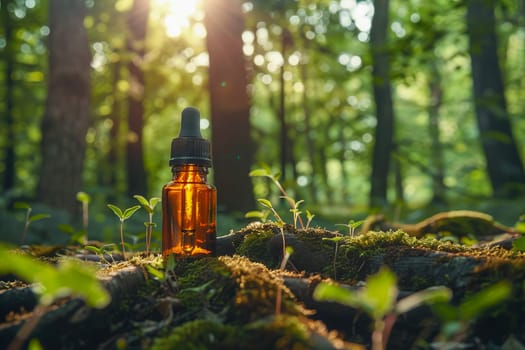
(457, 222)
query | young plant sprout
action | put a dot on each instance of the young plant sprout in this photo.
(29, 218)
(294, 205)
(149, 206)
(84, 198)
(123, 216)
(352, 226)
(336, 240)
(378, 300)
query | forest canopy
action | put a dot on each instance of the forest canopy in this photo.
(359, 105)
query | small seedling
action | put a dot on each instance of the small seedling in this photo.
(102, 251)
(123, 216)
(378, 300)
(266, 172)
(84, 198)
(457, 318)
(29, 218)
(50, 282)
(262, 215)
(336, 240)
(352, 226)
(149, 206)
(309, 218)
(75, 237)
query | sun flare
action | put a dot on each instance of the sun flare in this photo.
(178, 14)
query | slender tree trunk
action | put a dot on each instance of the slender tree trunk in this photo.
(115, 144)
(230, 105)
(285, 139)
(137, 22)
(310, 142)
(504, 165)
(438, 169)
(384, 107)
(66, 120)
(9, 160)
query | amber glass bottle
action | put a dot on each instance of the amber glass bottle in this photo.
(189, 201)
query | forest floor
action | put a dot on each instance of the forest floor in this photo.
(245, 298)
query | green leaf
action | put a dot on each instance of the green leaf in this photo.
(254, 214)
(83, 197)
(289, 250)
(157, 274)
(116, 210)
(37, 217)
(265, 203)
(476, 304)
(21, 205)
(331, 292)
(355, 224)
(427, 296)
(309, 215)
(260, 172)
(143, 201)
(70, 277)
(153, 202)
(93, 249)
(380, 293)
(130, 211)
(519, 244)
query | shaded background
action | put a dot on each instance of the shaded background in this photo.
(401, 107)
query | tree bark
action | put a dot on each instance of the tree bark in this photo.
(436, 99)
(66, 120)
(230, 105)
(503, 162)
(137, 22)
(9, 160)
(384, 132)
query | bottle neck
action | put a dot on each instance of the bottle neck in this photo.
(189, 173)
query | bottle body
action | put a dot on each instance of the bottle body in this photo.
(189, 213)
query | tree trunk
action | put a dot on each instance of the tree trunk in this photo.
(114, 156)
(384, 107)
(230, 105)
(504, 166)
(310, 142)
(9, 160)
(436, 98)
(137, 24)
(66, 119)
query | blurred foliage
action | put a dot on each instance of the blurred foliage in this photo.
(328, 99)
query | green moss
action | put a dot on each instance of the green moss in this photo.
(255, 247)
(276, 332)
(199, 335)
(234, 287)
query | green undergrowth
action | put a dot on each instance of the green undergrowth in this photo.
(233, 303)
(272, 332)
(234, 288)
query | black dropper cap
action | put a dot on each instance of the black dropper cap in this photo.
(190, 147)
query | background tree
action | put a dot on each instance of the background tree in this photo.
(230, 105)
(384, 131)
(504, 165)
(137, 25)
(9, 56)
(66, 119)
